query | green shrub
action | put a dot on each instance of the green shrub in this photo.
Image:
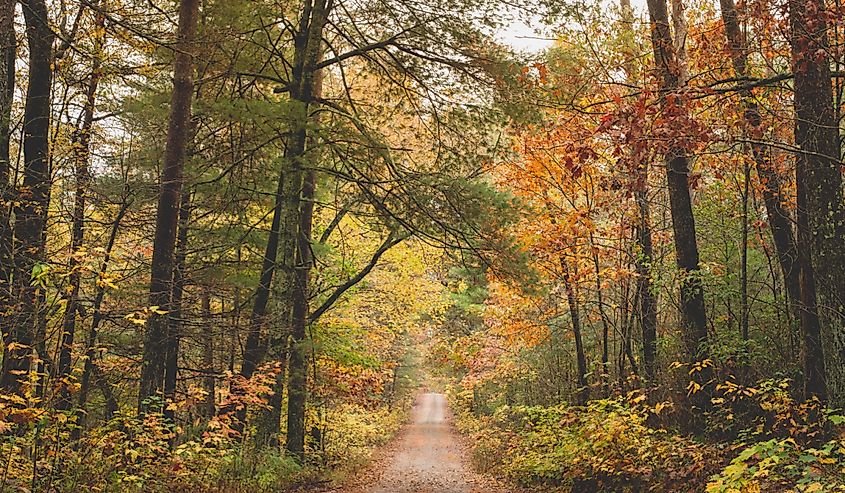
(605, 446)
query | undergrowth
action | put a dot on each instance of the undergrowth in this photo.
(616, 445)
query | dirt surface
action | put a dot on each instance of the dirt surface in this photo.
(427, 457)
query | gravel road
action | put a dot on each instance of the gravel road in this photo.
(426, 458)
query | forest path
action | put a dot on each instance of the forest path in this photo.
(426, 458)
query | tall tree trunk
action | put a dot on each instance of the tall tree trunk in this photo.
(298, 365)
(693, 314)
(7, 88)
(283, 229)
(605, 319)
(646, 301)
(821, 214)
(175, 316)
(33, 197)
(743, 250)
(287, 210)
(156, 337)
(645, 291)
(286, 198)
(82, 153)
(310, 41)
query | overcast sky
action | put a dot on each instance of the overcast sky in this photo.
(523, 37)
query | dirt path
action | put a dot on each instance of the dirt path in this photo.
(426, 458)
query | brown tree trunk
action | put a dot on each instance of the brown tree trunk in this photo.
(7, 87)
(583, 392)
(156, 337)
(298, 365)
(605, 319)
(33, 197)
(780, 223)
(646, 301)
(693, 314)
(645, 291)
(82, 152)
(208, 383)
(175, 316)
(283, 229)
(309, 43)
(821, 214)
(96, 318)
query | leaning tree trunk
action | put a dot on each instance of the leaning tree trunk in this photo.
(157, 332)
(96, 317)
(33, 197)
(780, 222)
(821, 213)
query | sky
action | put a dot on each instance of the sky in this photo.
(522, 37)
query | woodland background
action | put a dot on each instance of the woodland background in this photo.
(236, 236)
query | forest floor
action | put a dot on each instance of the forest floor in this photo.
(426, 457)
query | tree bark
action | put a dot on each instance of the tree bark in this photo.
(208, 383)
(645, 291)
(156, 337)
(96, 318)
(306, 75)
(175, 315)
(780, 222)
(583, 391)
(82, 153)
(298, 365)
(821, 214)
(693, 314)
(33, 197)
(7, 88)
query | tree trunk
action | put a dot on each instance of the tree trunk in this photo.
(645, 299)
(285, 220)
(156, 337)
(33, 197)
(821, 218)
(693, 314)
(7, 88)
(175, 316)
(96, 318)
(583, 392)
(780, 223)
(605, 319)
(82, 152)
(645, 291)
(208, 383)
(310, 40)
(298, 370)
